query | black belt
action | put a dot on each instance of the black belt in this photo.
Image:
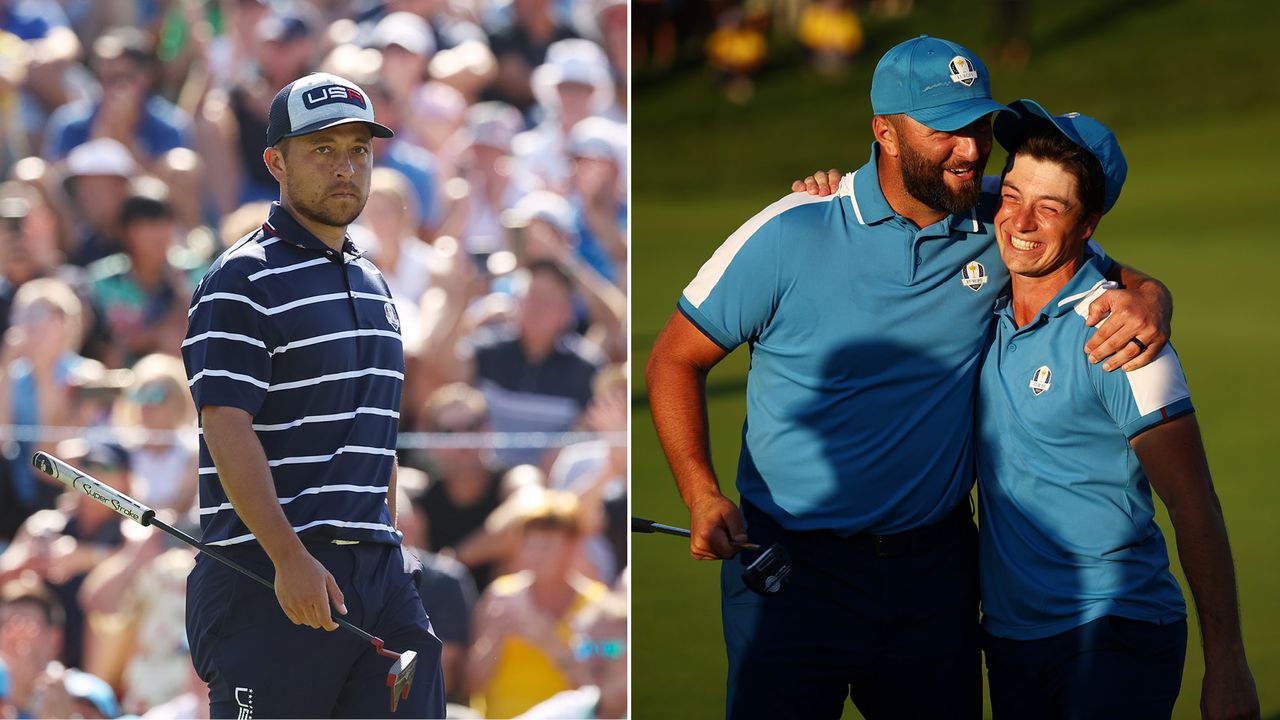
(910, 542)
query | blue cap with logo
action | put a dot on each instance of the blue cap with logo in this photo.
(1082, 130)
(316, 102)
(933, 81)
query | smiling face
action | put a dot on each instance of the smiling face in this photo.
(943, 170)
(324, 176)
(1042, 225)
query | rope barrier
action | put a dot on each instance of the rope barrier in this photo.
(405, 441)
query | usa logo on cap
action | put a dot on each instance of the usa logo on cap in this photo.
(315, 97)
(974, 275)
(317, 102)
(1040, 380)
(962, 71)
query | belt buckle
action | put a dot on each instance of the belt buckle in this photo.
(879, 546)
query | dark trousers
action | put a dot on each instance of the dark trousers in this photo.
(1112, 667)
(891, 623)
(258, 664)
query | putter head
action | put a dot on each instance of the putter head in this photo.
(400, 676)
(769, 571)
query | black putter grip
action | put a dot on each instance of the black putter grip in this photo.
(641, 525)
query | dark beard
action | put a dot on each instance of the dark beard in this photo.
(324, 214)
(925, 183)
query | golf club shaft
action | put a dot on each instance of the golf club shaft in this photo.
(79, 480)
(640, 525)
(648, 526)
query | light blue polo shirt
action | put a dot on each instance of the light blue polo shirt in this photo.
(865, 336)
(1068, 533)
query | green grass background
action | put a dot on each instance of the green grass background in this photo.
(1192, 90)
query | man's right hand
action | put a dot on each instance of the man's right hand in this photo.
(820, 183)
(716, 530)
(306, 590)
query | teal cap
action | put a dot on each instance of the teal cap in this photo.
(1082, 130)
(933, 81)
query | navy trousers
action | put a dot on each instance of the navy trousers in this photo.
(1112, 667)
(890, 622)
(258, 664)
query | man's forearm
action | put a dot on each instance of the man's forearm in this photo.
(1206, 559)
(246, 478)
(391, 491)
(1135, 279)
(677, 402)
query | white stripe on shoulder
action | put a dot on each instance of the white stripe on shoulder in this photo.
(705, 281)
(227, 374)
(370, 296)
(846, 183)
(299, 528)
(335, 376)
(215, 334)
(1085, 299)
(287, 268)
(318, 339)
(1160, 383)
(234, 297)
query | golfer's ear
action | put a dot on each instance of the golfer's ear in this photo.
(273, 158)
(886, 133)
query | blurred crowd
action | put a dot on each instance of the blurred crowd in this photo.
(132, 137)
(737, 39)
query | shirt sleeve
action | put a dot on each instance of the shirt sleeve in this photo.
(1146, 397)
(227, 350)
(736, 291)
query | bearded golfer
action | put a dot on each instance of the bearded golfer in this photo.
(294, 359)
(866, 313)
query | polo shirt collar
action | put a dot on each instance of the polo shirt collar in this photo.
(282, 225)
(871, 207)
(1087, 280)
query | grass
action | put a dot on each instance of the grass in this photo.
(1187, 89)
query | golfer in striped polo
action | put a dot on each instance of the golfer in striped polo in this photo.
(294, 358)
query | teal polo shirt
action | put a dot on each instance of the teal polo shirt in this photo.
(865, 335)
(1068, 532)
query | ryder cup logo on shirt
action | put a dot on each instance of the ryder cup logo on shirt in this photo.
(1040, 380)
(974, 275)
(390, 311)
(962, 71)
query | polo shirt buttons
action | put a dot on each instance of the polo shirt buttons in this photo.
(1013, 347)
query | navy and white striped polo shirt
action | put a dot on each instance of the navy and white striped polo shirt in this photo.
(307, 341)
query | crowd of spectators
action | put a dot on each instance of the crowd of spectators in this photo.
(131, 139)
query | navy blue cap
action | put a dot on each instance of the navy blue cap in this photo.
(1082, 130)
(933, 81)
(316, 102)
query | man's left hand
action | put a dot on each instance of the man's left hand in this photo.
(1135, 331)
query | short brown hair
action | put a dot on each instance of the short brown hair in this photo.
(1043, 141)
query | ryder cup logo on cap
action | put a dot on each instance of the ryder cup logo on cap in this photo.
(962, 71)
(935, 82)
(316, 102)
